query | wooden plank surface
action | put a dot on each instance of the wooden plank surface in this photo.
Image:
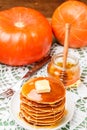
(46, 7)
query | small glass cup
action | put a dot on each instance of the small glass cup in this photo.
(69, 76)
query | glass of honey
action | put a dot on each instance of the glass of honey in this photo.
(70, 75)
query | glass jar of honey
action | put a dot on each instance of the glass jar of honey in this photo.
(71, 74)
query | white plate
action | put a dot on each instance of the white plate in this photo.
(15, 107)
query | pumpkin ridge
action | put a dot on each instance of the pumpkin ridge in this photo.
(74, 13)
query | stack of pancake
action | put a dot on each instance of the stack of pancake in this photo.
(42, 107)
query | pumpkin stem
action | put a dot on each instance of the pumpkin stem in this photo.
(19, 24)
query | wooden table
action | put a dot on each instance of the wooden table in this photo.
(44, 6)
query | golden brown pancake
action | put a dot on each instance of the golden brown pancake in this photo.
(46, 121)
(35, 104)
(57, 91)
(45, 108)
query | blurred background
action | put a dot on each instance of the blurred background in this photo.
(46, 7)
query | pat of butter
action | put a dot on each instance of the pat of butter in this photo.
(42, 86)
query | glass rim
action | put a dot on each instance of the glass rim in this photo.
(73, 57)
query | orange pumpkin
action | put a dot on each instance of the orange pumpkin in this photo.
(25, 36)
(75, 13)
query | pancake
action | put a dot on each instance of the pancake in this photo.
(57, 91)
(45, 107)
(35, 104)
(47, 121)
(40, 114)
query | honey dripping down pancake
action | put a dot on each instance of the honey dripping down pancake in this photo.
(42, 101)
